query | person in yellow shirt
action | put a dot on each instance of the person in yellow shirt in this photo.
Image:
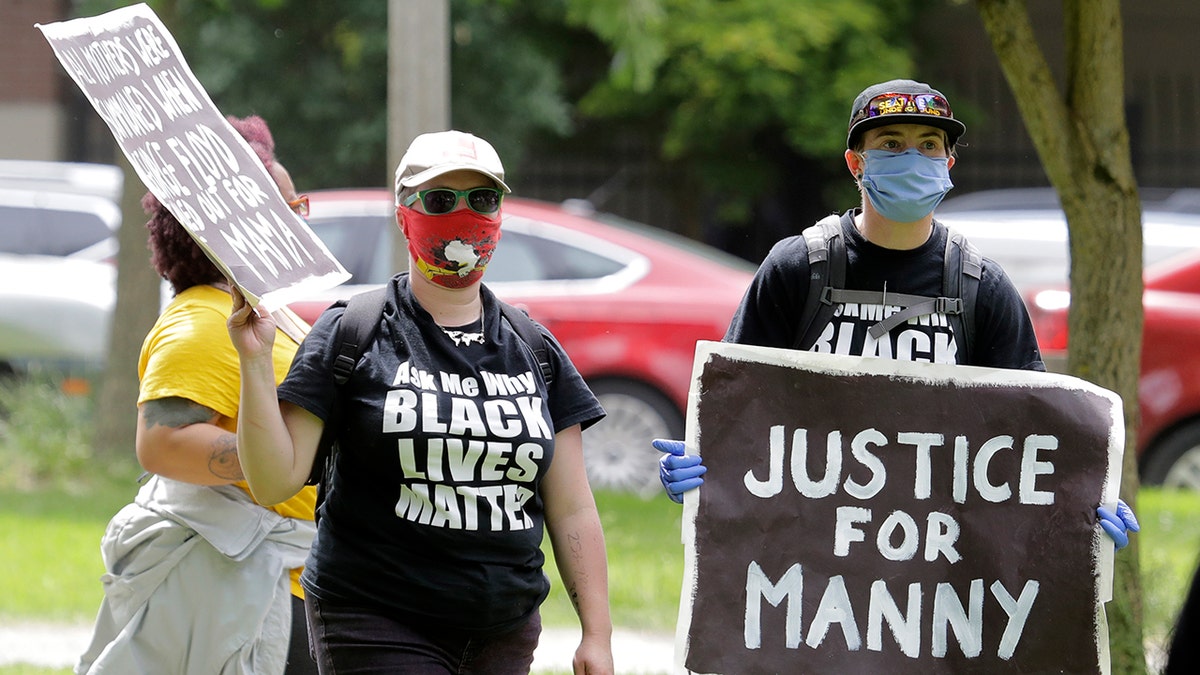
(207, 606)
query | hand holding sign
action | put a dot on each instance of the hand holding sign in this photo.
(1118, 525)
(678, 471)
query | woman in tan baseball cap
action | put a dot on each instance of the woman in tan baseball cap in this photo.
(456, 448)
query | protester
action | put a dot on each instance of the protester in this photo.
(199, 575)
(900, 147)
(454, 451)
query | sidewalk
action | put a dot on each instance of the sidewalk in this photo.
(58, 645)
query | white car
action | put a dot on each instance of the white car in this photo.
(58, 226)
(54, 310)
(1031, 244)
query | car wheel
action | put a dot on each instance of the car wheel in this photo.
(1176, 460)
(617, 449)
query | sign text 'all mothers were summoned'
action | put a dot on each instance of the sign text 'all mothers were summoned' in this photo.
(868, 515)
(188, 155)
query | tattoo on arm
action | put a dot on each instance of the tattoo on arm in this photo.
(575, 546)
(177, 412)
(224, 461)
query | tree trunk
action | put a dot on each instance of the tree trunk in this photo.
(138, 299)
(1083, 143)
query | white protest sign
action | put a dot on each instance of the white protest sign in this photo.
(188, 155)
(870, 515)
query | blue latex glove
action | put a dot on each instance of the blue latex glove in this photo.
(678, 471)
(1118, 525)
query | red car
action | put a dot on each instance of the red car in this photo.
(628, 303)
(1169, 385)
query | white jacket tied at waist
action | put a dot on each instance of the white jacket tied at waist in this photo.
(197, 581)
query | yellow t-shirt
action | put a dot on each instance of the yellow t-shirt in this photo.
(188, 355)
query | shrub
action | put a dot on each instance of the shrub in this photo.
(46, 436)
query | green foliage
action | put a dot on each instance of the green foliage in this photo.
(728, 89)
(318, 73)
(737, 79)
(505, 71)
(45, 436)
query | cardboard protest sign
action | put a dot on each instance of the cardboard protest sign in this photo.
(188, 155)
(866, 515)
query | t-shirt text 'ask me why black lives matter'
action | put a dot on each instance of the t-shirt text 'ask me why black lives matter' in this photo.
(468, 460)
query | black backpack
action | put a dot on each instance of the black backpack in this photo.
(357, 330)
(827, 281)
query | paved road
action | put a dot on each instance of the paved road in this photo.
(57, 646)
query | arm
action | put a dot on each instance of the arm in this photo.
(276, 442)
(578, 543)
(180, 439)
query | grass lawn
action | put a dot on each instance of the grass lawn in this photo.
(57, 532)
(1169, 548)
(56, 575)
(49, 536)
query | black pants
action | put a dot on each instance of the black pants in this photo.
(299, 657)
(351, 640)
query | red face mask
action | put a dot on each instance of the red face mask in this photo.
(451, 249)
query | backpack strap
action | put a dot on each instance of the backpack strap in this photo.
(530, 335)
(963, 267)
(827, 271)
(960, 279)
(913, 306)
(357, 328)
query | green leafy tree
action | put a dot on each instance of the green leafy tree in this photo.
(317, 72)
(734, 85)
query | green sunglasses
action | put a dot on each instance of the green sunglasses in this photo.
(439, 201)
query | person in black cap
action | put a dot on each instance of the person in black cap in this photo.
(900, 147)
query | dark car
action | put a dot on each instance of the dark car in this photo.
(628, 303)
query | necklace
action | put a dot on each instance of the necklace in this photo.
(463, 338)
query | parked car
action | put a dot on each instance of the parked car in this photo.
(1154, 199)
(1027, 234)
(628, 303)
(1031, 244)
(49, 222)
(1169, 384)
(98, 180)
(54, 312)
(58, 225)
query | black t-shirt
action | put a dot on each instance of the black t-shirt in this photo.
(434, 513)
(770, 311)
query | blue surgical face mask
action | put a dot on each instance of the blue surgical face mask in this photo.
(905, 186)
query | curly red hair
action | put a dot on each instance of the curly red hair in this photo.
(174, 254)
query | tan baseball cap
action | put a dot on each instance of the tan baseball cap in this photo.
(433, 154)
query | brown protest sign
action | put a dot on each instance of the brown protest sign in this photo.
(188, 155)
(867, 515)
